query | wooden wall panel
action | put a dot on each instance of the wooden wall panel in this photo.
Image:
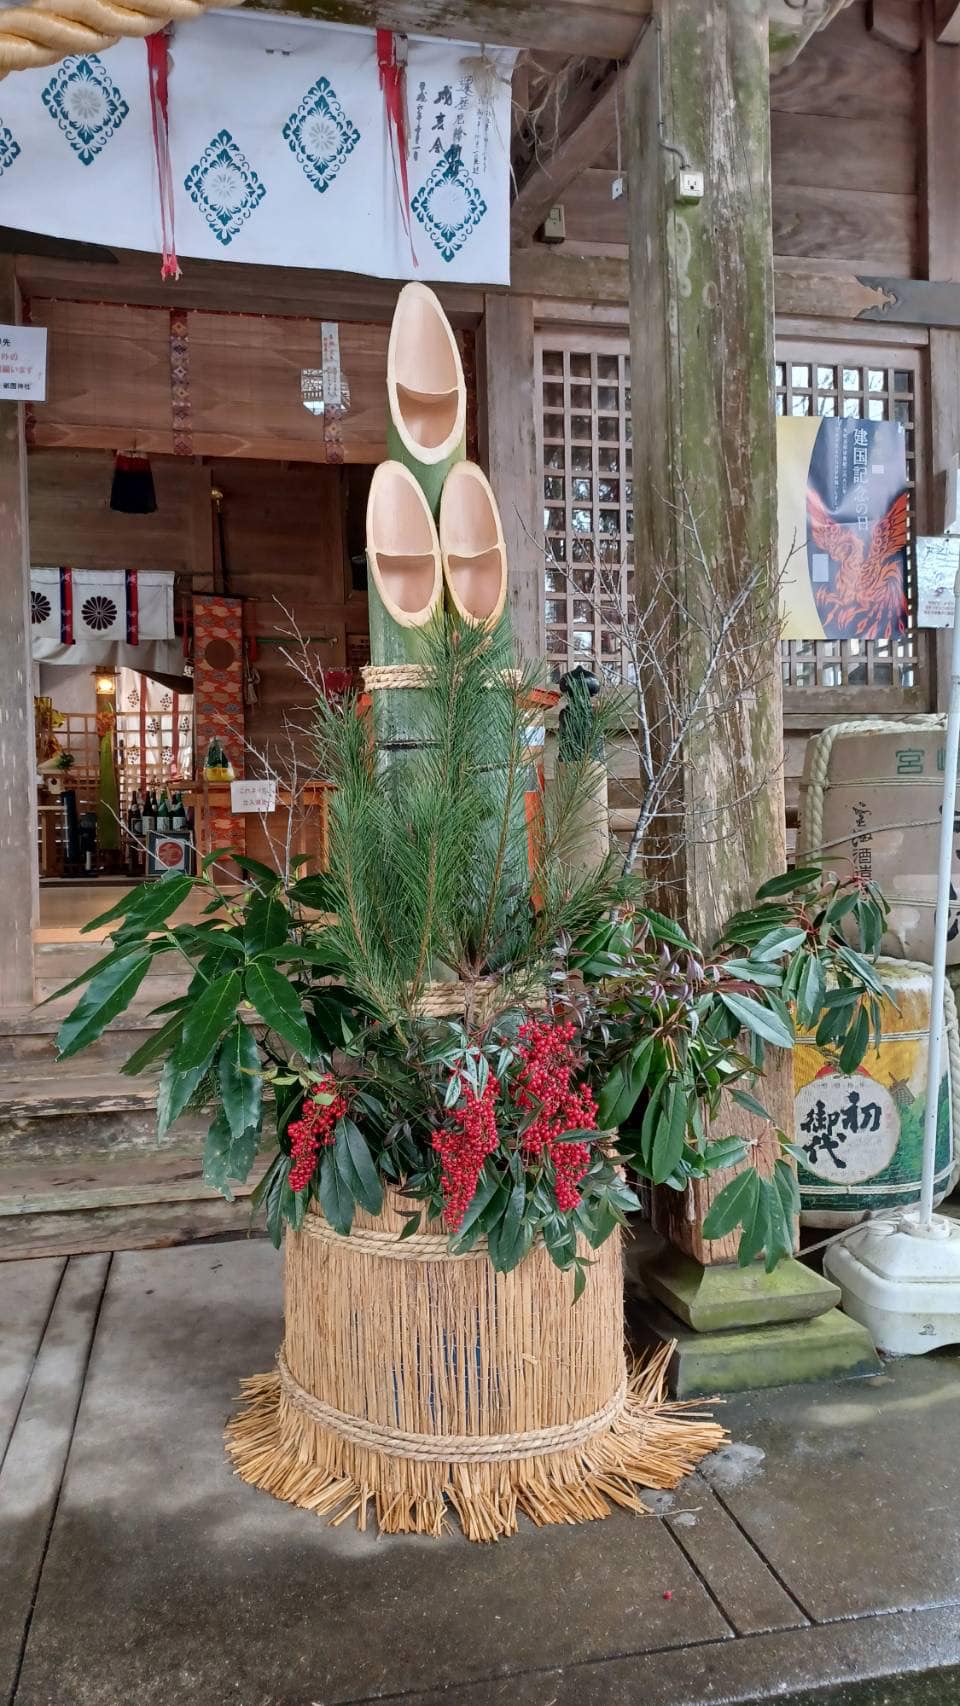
(108, 377)
(845, 157)
(71, 520)
(109, 383)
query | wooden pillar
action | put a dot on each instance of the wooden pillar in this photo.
(18, 792)
(508, 414)
(704, 453)
(940, 233)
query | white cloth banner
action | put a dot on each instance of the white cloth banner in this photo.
(78, 615)
(279, 148)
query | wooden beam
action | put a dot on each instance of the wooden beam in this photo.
(704, 463)
(579, 148)
(940, 97)
(603, 29)
(947, 21)
(508, 410)
(18, 792)
(897, 22)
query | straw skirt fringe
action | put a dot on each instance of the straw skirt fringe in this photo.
(413, 1386)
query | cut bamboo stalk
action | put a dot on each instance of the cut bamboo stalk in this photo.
(472, 546)
(404, 594)
(426, 391)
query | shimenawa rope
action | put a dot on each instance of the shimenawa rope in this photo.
(49, 30)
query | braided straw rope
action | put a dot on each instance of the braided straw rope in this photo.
(423, 1247)
(810, 831)
(47, 30)
(451, 1448)
(384, 675)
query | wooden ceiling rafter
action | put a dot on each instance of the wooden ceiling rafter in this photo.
(577, 149)
(606, 29)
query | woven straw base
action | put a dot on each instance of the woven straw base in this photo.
(652, 1443)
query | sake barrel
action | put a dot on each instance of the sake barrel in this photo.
(870, 803)
(860, 1134)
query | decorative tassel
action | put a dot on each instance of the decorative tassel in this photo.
(392, 66)
(158, 69)
(133, 491)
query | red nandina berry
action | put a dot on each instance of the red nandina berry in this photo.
(463, 1147)
(544, 1083)
(314, 1131)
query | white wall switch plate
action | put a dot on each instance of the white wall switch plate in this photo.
(689, 186)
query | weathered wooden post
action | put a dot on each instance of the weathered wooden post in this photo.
(701, 310)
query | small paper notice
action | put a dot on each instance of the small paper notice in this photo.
(938, 559)
(253, 797)
(23, 363)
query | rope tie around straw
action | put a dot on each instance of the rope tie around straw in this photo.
(380, 676)
(49, 30)
(423, 1247)
(451, 1448)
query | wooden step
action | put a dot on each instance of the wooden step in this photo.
(58, 963)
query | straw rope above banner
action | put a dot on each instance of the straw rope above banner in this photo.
(259, 139)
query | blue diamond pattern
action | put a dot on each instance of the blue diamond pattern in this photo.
(86, 103)
(449, 206)
(320, 134)
(224, 186)
(9, 149)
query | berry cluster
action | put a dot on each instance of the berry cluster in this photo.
(463, 1147)
(314, 1131)
(544, 1084)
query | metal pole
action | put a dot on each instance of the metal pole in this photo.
(941, 925)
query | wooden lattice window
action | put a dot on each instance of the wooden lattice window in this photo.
(584, 384)
(869, 383)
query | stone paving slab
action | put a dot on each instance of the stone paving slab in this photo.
(855, 1502)
(29, 1289)
(33, 1466)
(167, 1579)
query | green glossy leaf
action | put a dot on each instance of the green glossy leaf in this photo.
(156, 903)
(353, 1157)
(811, 993)
(175, 1090)
(776, 943)
(670, 1135)
(265, 876)
(211, 858)
(735, 1205)
(724, 1152)
(314, 892)
(665, 929)
(239, 1076)
(759, 1020)
(611, 1097)
(109, 959)
(206, 1020)
(126, 902)
(269, 1194)
(227, 1157)
(755, 1228)
(779, 1241)
(336, 1197)
(266, 923)
(278, 1005)
(109, 993)
(158, 1043)
(744, 1099)
(789, 882)
(855, 1046)
(788, 1189)
(488, 1185)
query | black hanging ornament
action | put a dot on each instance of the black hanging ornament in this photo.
(133, 491)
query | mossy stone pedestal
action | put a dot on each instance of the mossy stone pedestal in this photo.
(741, 1328)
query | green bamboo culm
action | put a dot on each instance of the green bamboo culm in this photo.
(426, 392)
(404, 599)
(108, 797)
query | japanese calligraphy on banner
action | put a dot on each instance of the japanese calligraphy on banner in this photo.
(279, 151)
(843, 528)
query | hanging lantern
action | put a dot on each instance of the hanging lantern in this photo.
(133, 491)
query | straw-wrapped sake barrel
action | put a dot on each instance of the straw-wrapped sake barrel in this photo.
(861, 1133)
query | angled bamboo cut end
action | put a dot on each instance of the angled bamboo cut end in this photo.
(403, 551)
(426, 392)
(472, 546)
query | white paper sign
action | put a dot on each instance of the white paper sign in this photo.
(253, 797)
(23, 363)
(938, 559)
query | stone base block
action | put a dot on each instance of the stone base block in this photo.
(828, 1347)
(716, 1299)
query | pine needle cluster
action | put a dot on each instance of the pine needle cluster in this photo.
(447, 859)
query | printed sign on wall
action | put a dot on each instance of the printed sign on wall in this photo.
(843, 528)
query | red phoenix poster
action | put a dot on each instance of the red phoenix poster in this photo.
(844, 528)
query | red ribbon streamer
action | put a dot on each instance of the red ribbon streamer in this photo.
(392, 66)
(158, 70)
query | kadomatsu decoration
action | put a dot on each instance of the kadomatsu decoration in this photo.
(462, 1037)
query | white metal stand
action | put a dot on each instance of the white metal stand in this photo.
(900, 1273)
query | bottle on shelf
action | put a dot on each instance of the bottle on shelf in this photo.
(148, 816)
(163, 812)
(134, 836)
(178, 814)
